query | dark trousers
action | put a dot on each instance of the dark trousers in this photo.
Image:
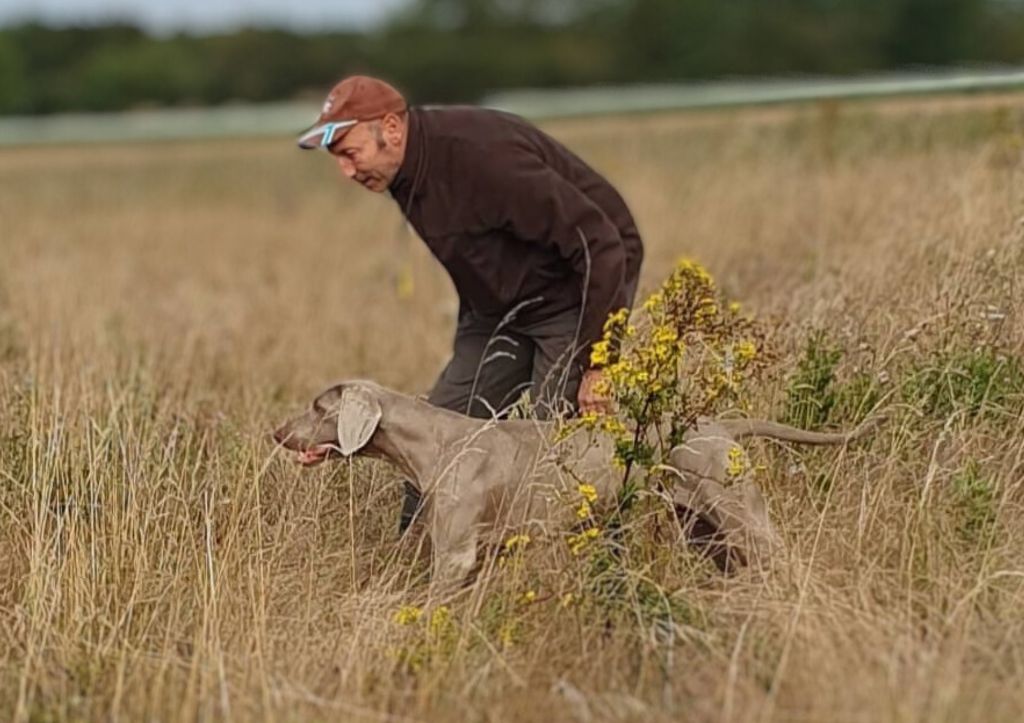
(493, 364)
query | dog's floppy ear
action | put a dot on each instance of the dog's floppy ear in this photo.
(358, 416)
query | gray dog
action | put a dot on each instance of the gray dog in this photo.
(482, 479)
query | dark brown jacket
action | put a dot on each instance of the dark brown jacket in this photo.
(516, 218)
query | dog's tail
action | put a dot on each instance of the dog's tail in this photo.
(740, 428)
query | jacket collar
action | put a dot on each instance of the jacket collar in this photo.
(409, 179)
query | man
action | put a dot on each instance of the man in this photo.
(539, 246)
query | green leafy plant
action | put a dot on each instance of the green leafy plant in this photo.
(857, 397)
(974, 501)
(972, 381)
(811, 394)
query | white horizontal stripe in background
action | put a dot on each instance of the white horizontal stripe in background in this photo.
(236, 121)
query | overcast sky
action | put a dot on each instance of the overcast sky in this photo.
(203, 15)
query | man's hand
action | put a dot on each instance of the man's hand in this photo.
(589, 399)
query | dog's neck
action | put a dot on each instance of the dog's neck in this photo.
(411, 432)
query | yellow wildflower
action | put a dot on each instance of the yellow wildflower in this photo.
(517, 542)
(589, 492)
(664, 343)
(613, 426)
(618, 373)
(407, 615)
(695, 270)
(583, 511)
(529, 596)
(614, 320)
(440, 621)
(589, 419)
(737, 462)
(746, 350)
(599, 353)
(664, 335)
(654, 301)
(707, 308)
(581, 540)
(568, 599)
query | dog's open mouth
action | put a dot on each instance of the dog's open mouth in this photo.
(314, 455)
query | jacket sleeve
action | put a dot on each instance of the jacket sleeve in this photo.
(529, 198)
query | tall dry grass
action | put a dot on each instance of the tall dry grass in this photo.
(162, 306)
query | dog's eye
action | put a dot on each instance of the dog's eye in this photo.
(317, 407)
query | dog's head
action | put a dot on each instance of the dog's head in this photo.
(340, 422)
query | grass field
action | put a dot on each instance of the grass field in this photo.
(163, 306)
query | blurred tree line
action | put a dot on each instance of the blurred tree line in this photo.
(456, 50)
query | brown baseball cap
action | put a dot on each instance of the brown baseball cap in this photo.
(356, 98)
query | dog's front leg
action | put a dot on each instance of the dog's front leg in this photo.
(454, 537)
(452, 565)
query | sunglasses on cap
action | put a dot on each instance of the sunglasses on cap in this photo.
(325, 133)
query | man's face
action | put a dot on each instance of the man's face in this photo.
(372, 152)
